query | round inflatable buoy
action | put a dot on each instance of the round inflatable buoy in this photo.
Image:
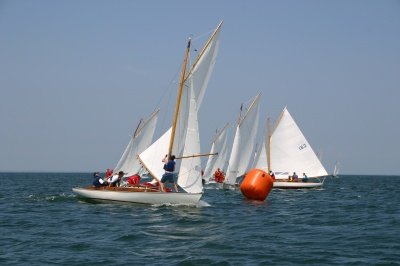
(256, 185)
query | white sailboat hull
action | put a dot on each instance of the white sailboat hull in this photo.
(288, 185)
(141, 197)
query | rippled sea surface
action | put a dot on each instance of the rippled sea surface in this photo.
(353, 220)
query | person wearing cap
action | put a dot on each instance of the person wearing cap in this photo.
(169, 168)
(97, 180)
(116, 179)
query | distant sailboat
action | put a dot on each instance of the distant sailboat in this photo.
(181, 140)
(290, 152)
(243, 144)
(336, 169)
(219, 146)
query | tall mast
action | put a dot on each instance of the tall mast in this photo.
(269, 145)
(178, 100)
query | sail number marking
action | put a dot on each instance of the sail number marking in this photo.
(303, 146)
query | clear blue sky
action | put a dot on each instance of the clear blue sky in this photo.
(76, 76)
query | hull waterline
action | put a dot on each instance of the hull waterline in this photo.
(296, 185)
(142, 197)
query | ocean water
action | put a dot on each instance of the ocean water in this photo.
(353, 220)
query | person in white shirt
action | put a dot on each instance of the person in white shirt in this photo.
(116, 179)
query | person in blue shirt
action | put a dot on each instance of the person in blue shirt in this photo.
(305, 178)
(168, 176)
(97, 180)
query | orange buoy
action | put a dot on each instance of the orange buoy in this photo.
(256, 185)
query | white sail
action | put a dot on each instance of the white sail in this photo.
(201, 70)
(243, 144)
(260, 160)
(186, 140)
(140, 140)
(291, 152)
(197, 80)
(336, 169)
(153, 155)
(190, 170)
(219, 146)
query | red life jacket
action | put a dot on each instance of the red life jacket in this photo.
(134, 180)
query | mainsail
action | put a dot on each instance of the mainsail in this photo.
(186, 139)
(291, 152)
(219, 146)
(140, 140)
(243, 144)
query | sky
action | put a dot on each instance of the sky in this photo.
(77, 76)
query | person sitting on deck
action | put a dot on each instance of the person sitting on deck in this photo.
(115, 180)
(305, 178)
(218, 176)
(133, 180)
(152, 184)
(295, 177)
(98, 181)
(109, 173)
(169, 167)
(155, 184)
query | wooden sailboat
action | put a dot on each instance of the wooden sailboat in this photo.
(243, 144)
(181, 140)
(289, 152)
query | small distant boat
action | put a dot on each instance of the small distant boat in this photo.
(243, 144)
(181, 140)
(289, 152)
(335, 172)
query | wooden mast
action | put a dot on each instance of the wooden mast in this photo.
(178, 100)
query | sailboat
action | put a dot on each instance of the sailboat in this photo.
(335, 172)
(289, 152)
(181, 140)
(243, 144)
(219, 146)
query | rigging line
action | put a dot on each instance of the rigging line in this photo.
(166, 98)
(202, 36)
(206, 34)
